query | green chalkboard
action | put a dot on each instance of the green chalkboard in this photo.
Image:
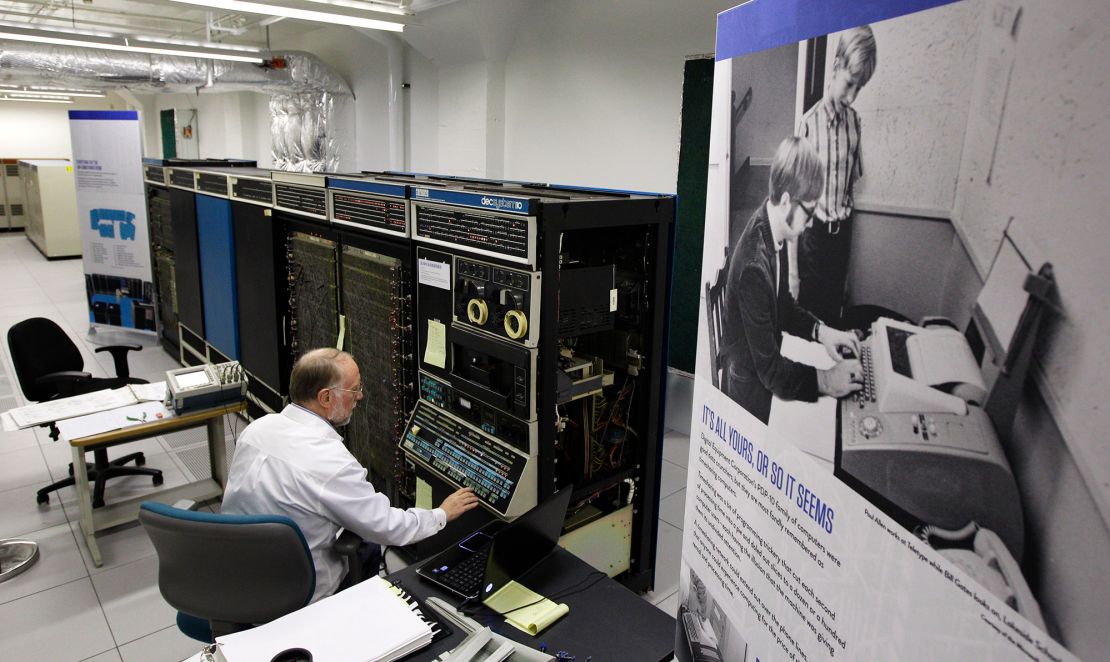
(693, 165)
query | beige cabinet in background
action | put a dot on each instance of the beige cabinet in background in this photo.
(51, 207)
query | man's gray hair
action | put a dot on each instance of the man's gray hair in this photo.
(316, 370)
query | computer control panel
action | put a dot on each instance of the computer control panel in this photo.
(501, 476)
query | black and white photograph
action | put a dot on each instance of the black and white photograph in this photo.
(704, 633)
(886, 288)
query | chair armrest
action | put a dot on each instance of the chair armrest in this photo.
(348, 544)
(119, 357)
(64, 382)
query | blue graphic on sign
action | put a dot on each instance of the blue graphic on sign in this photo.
(762, 24)
(103, 220)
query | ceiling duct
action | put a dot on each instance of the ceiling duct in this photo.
(38, 64)
(295, 80)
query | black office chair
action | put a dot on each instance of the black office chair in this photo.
(49, 366)
(226, 573)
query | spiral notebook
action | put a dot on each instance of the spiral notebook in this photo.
(369, 622)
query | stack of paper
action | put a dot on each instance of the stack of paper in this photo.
(366, 622)
(88, 403)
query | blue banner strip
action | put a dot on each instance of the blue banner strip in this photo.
(392, 190)
(761, 24)
(500, 203)
(103, 114)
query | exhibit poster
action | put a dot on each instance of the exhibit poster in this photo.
(896, 448)
(111, 210)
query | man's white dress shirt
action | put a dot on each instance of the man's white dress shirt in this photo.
(295, 464)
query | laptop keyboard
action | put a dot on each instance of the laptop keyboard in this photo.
(466, 576)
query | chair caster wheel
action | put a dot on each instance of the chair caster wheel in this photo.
(98, 503)
(42, 498)
(158, 480)
(140, 461)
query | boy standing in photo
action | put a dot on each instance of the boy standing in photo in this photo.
(833, 128)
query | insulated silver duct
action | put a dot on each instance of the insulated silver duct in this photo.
(302, 94)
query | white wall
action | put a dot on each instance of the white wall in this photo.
(573, 92)
(594, 90)
(228, 123)
(421, 113)
(41, 130)
(771, 75)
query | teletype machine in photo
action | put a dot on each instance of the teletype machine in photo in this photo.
(924, 439)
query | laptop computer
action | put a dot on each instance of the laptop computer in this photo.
(499, 552)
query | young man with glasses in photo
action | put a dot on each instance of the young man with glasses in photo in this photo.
(758, 308)
(295, 464)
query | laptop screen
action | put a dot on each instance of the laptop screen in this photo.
(525, 542)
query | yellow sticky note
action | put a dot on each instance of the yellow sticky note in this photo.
(435, 352)
(525, 609)
(423, 494)
(342, 331)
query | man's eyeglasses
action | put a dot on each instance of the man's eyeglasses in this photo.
(357, 389)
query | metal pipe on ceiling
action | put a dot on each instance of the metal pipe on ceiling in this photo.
(303, 93)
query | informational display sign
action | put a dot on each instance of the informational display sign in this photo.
(111, 208)
(858, 489)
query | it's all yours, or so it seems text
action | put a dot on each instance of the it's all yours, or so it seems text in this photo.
(733, 474)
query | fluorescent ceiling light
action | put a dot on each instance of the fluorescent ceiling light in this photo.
(7, 98)
(120, 43)
(367, 6)
(196, 44)
(338, 16)
(71, 91)
(36, 95)
(51, 93)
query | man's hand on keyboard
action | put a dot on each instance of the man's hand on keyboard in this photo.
(459, 502)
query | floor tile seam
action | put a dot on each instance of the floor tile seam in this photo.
(667, 521)
(75, 528)
(150, 634)
(115, 648)
(28, 534)
(682, 486)
(43, 590)
(656, 601)
(100, 602)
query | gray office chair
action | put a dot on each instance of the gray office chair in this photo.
(226, 573)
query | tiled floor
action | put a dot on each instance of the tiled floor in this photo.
(64, 608)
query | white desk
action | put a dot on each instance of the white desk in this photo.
(811, 426)
(121, 512)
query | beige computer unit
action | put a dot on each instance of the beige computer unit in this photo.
(51, 206)
(12, 209)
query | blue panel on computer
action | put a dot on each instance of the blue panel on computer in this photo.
(217, 274)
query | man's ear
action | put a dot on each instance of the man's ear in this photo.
(784, 199)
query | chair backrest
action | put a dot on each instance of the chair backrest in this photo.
(714, 305)
(40, 347)
(229, 569)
